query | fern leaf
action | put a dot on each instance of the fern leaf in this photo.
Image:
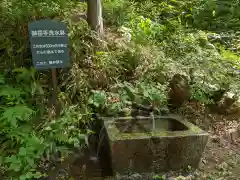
(17, 113)
(10, 92)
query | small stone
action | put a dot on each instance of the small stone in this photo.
(222, 141)
(197, 174)
(93, 159)
(215, 139)
(225, 165)
(136, 175)
(204, 161)
(221, 178)
(189, 177)
(232, 135)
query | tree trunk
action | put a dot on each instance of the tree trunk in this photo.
(94, 16)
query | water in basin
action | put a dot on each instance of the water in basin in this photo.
(146, 125)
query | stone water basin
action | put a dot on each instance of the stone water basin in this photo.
(174, 144)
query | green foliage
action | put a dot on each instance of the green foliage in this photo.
(144, 30)
(98, 99)
(182, 50)
(217, 15)
(16, 119)
(157, 177)
(144, 93)
(29, 135)
(64, 132)
(124, 94)
(164, 39)
(117, 12)
(201, 94)
(25, 140)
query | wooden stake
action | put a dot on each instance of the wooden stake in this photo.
(54, 92)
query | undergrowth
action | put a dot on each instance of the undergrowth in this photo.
(27, 135)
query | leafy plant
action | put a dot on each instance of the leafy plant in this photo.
(117, 12)
(124, 94)
(164, 38)
(26, 140)
(144, 30)
(212, 14)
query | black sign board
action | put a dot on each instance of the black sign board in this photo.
(49, 44)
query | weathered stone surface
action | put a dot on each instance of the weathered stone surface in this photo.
(168, 148)
(179, 91)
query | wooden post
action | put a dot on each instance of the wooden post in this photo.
(94, 16)
(54, 92)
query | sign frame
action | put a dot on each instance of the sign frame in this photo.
(49, 44)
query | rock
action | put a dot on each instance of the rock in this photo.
(190, 177)
(204, 161)
(232, 135)
(234, 109)
(179, 91)
(223, 142)
(136, 176)
(226, 103)
(221, 178)
(211, 46)
(196, 174)
(215, 139)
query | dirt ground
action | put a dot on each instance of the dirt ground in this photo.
(220, 161)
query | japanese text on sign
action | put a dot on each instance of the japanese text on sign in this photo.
(40, 33)
(50, 52)
(49, 45)
(50, 62)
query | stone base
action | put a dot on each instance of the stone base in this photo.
(167, 148)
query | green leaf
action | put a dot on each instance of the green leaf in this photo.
(11, 92)
(130, 92)
(21, 49)
(11, 159)
(164, 177)
(17, 113)
(97, 99)
(23, 177)
(15, 167)
(22, 151)
(82, 136)
(30, 161)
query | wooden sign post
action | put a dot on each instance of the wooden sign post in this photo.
(49, 46)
